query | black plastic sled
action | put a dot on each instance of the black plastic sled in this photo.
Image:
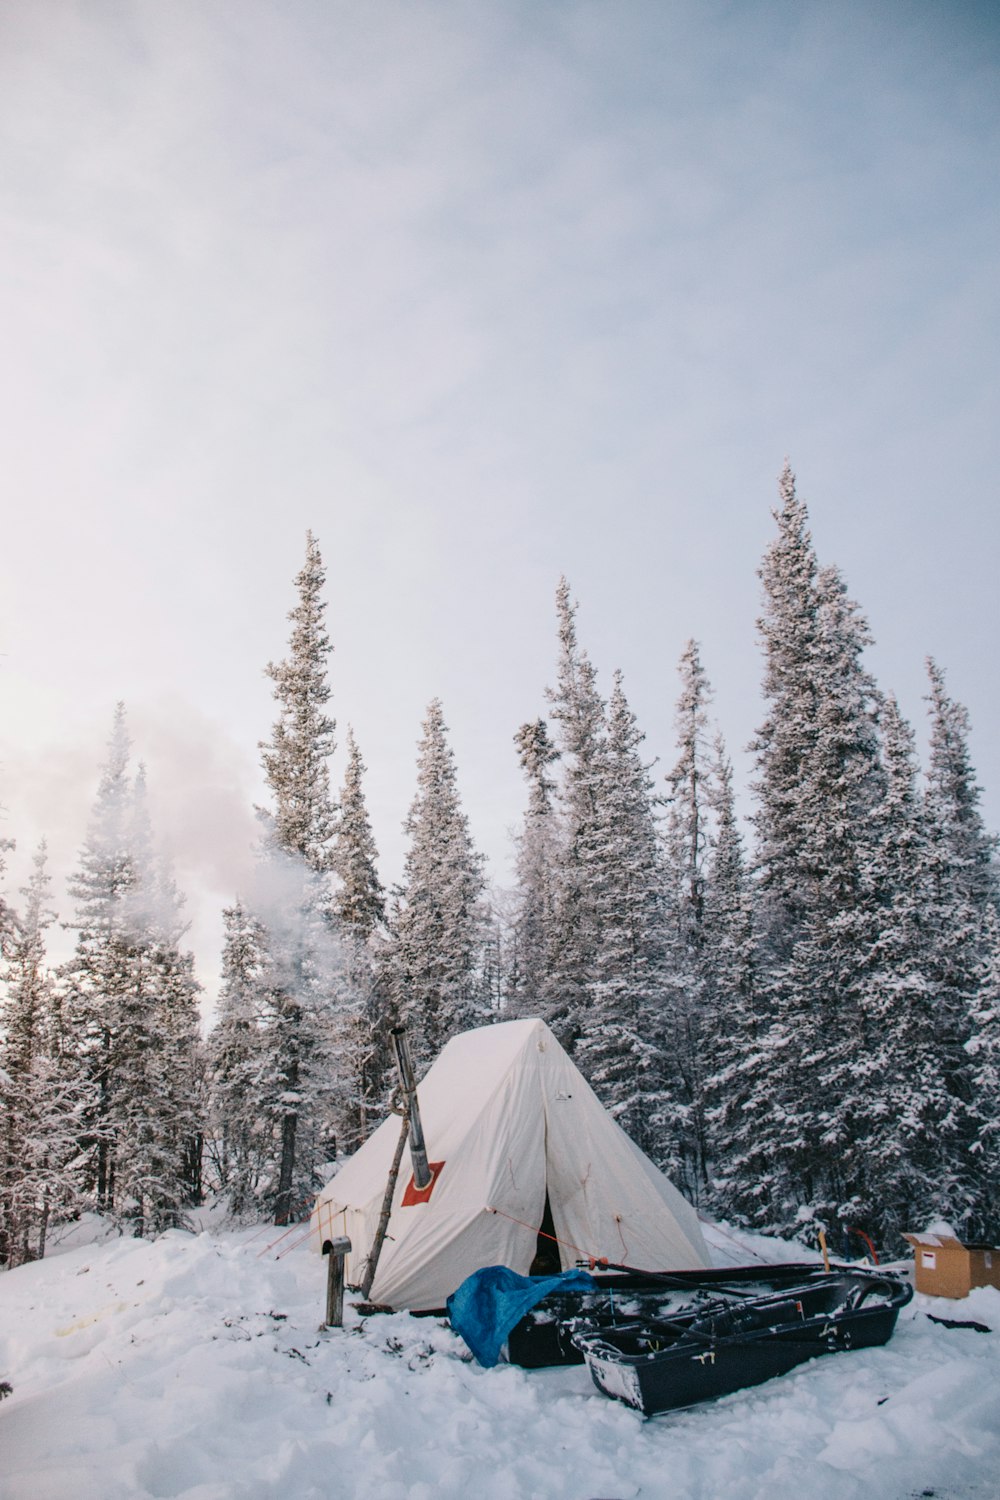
(660, 1362)
(544, 1336)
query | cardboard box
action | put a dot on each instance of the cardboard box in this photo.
(944, 1267)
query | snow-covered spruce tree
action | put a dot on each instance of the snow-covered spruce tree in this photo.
(687, 839)
(532, 923)
(433, 960)
(818, 782)
(177, 992)
(359, 899)
(241, 1137)
(578, 713)
(730, 1022)
(962, 904)
(842, 825)
(620, 1043)
(296, 857)
(98, 976)
(302, 819)
(359, 904)
(131, 1004)
(953, 797)
(903, 1148)
(984, 1052)
(41, 1097)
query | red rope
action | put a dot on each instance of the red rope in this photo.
(296, 1244)
(867, 1239)
(292, 1229)
(297, 1209)
(595, 1260)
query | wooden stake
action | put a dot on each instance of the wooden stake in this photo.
(822, 1246)
(335, 1250)
(383, 1222)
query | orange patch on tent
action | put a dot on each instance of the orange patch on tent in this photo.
(413, 1194)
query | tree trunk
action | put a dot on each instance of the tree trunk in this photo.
(283, 1203)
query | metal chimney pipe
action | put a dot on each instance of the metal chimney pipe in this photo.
(408, 1089)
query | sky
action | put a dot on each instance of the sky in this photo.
(481, 295)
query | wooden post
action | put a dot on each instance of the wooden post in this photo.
(336, 1250)
(383, 1221)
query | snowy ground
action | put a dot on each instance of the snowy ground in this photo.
(193, 1366)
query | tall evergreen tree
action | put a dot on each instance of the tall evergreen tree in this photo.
(960, 910)
(302, 818)
(984, 1053)
(241, 1146)
(730, 1023)
(966, 849)
(578, 713)
(621, 1027)
(131, 998)
(819, 782)
(41, 1098)
(538, 852)
(299, 829)
(98, 977)
(359, 904)
(902, 1145)
(434, 957)
(359, 900)
(687, 843)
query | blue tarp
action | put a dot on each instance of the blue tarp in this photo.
(489, 1303)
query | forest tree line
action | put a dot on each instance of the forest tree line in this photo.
(804, 1032)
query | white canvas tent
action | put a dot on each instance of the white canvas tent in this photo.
(509, 1118)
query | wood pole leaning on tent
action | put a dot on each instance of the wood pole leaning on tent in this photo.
(408, 1089)
(383, 1220)
(336, 1250)
(823, 1249)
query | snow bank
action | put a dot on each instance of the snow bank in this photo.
(193, 1366)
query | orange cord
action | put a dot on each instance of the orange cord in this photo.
(595, 1260)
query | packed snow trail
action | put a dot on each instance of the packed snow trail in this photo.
(192, 1366)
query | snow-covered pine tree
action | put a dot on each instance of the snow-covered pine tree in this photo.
(902, 1162)
(984, 1052)
(41, 1099)
(960, 911)
(578, 713)
(98, 976)
(619, 1047)
(433, 961)
(177, 994)
(158, 1116)
(359, 904)
(730, 1021)
(131, 998)
(359, 899)
(297, 856)
(819, 781)
(241, 1137)
(302, 819)
(532, 920)
(953, 801)
(687, 839)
